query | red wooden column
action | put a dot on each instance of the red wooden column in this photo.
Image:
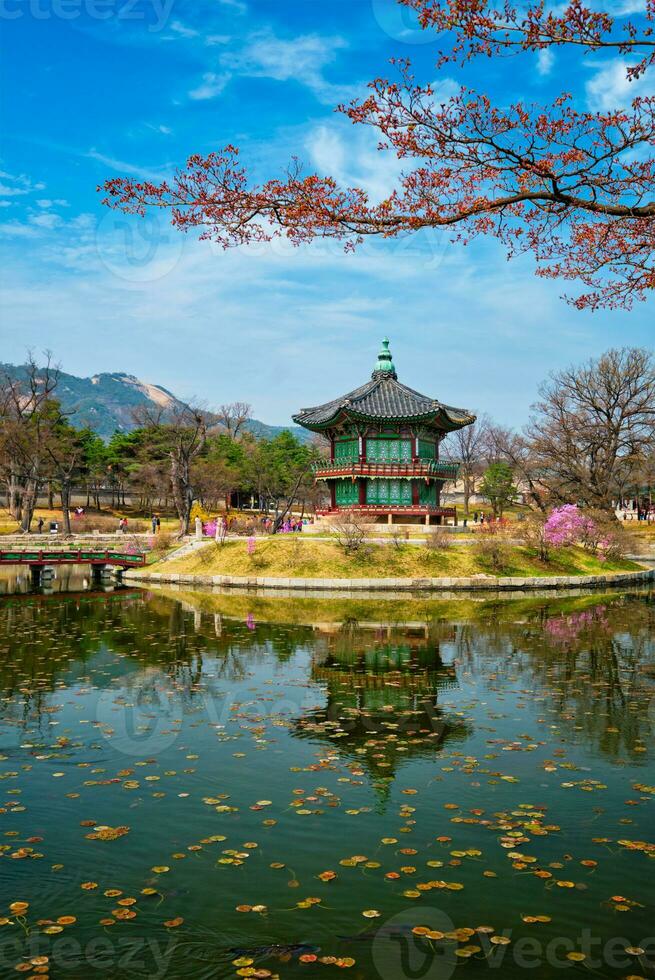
(333, 495)
(362, 491)
(415, 500)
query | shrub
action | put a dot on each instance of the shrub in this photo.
(162, 542)
(105, 524)
(399, 538)
(533, 534)
(438, 539)
(350, 530)
(197, 510)
(491, 546)
(597, 531)
(568, 525)
(606, 537)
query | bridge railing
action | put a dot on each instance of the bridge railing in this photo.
(79, 556)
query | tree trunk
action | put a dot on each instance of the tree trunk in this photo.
(467, 493)
(182, 493)
(14, 495)
(29, 504)
(65, 507)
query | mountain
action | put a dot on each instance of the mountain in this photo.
(106, 402)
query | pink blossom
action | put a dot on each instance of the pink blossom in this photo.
(209, 528)
(567, 525)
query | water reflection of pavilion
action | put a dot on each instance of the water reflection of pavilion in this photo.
(382, 692)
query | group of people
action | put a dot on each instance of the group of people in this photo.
(640, 514)
(155, 523)
(291, 525)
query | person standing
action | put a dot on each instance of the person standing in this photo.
(39, 526)
(153, 523)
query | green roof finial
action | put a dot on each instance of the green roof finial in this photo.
(385, 366)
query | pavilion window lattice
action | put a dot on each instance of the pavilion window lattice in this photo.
(389, 450)
(346, 450)
(346, 493)
(391, 492)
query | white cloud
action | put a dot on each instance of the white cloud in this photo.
(610, 88)
(8, 191)
(17, 229)
(353, 159)
(15, 185)
(545, 62)
(212, 85)
(58, 202)
(183, 30)
(46, 220)
(159, 128)
(465, 325)
(237, 5)
(302, 59)
(625, 7)
(122, 165)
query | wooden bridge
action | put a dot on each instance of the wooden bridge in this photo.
(70, 556)
(43, 561)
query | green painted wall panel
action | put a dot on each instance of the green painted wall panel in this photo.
(427, 493)
(426, 450)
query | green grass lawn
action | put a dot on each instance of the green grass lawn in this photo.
(287, 557)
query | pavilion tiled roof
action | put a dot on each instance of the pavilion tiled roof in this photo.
(381, 399)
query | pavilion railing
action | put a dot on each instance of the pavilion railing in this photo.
(326, 469)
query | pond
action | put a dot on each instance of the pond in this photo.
(212, 785)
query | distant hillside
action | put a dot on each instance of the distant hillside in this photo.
(106, 402)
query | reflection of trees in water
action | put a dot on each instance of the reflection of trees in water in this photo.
(151, 647)
(593, 667)
(589, 660)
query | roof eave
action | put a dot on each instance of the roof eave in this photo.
(440, 417)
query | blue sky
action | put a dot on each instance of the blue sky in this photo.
(98, 88)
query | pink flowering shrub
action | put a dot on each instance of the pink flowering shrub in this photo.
(567, 525)
(599, 532)
(209, 528)
(252, 545)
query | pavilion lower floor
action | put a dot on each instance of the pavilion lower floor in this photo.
(381, 514)
(401, 500)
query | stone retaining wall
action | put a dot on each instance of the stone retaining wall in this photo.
(474, 583)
